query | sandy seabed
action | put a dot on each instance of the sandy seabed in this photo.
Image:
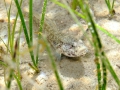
(75, 74)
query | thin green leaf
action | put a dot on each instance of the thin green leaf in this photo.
(25, 32)
(107, 33)
(30, 21)
(18, 82)
(41, 27)
(53, 63)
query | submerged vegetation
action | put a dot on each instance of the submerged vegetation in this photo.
(101, 60)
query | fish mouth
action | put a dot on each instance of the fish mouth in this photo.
(77, 52)
(73, 49)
